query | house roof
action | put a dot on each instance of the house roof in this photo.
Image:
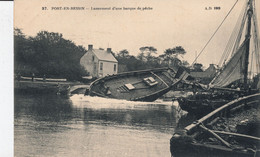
(104, 55)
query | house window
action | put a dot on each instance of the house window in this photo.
(93, 58)
(114, 67)
(101, 66)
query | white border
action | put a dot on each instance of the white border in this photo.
(6, 79)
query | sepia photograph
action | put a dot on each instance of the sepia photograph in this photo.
(150, 78)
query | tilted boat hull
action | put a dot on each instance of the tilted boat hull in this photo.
(144, 85)
(147, 98)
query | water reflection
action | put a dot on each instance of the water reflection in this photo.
(48, 125)
(156, 115)
(43, 107)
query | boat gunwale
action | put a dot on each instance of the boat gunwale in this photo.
(139, 98)
(130, 72)
(221, 148)
(229, 151)
(190, 128)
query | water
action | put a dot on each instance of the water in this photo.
(46, 125)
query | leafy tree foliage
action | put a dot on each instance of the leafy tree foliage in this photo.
(170, 56)
(130, 62)
(146, 53)
(123, 53)
(197, 67)
(49, 54)
(148, 49)
(146, 60)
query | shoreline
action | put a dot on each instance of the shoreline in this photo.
(44, 87)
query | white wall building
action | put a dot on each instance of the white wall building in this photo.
(99, 63)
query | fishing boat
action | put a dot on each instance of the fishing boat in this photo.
(203, 103)
(143, 85)
(231, 130)
(232, 80)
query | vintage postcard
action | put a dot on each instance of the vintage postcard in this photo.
(136, 78)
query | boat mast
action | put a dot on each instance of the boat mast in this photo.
(248, 34)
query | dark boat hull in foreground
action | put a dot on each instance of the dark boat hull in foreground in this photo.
(205, 102)
(202, 104)
(144, 85)
(232, 130)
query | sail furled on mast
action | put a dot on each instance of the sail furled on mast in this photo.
(233, 70)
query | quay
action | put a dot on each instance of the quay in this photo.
(49, 86)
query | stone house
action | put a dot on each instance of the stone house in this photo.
(99, 62)
(206, 75)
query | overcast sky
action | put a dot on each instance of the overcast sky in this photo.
(170, 23)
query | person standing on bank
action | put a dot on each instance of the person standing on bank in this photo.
(33, 77)
(44, 78)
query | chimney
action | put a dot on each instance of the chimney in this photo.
(109, 50)
(90, 47)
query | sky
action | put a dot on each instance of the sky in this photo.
(168, 24)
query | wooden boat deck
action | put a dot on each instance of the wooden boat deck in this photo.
(118, 90)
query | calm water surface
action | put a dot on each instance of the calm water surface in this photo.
(78, 126)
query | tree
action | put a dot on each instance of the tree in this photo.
(171, 55)
(49, 54)
(146, 53)
(148, 49)
(197, 67)
(123, 53)
(174, 52)
(141, 57)
(185, 63)
(18, 33)
(23, 53)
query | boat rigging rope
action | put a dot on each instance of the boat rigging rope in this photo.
(228, 46)
(241, 29)
(214, 32)
(256, 39)
(236, 35)
(240, 32)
